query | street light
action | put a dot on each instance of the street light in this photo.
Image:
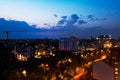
(24, 72)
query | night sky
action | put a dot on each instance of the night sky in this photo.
(59, 18)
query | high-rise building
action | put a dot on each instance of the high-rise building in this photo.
(68, 44)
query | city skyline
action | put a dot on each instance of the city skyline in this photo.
(63, 18)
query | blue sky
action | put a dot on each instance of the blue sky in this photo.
(41, 12)
(48, 14)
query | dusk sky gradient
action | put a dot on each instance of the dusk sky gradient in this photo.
(59, 18)
(70, 17)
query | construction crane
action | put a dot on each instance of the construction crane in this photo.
(26, 31)
(7, 33)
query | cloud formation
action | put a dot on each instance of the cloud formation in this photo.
(15, 25)
(55, 15)
(103, 19)
(66, 26)
(92, 18)
(71, 20)
(64, 17)
(80, 22)
(62, 21)
(21, 29)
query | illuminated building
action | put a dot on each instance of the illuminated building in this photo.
(68, 44)
(22, 52)
(104, 41)
(107, 44)
(45, 48)
(114, 61)
(86, 45)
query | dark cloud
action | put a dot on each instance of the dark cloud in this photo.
(15, 25)
(73, 19)
(88, 32)
(47, 25)
(64, 28)
(70, 29)
(82, 22)
(55, 15)
(92, 18)
(70, 21)
(21, 29)
(103, 19)
(17, 28)
(64, 17)
(96, 19)
(61, 22)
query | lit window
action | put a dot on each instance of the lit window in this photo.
(116, 72)
(116, 69)
(116, 62)
(116, 77)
